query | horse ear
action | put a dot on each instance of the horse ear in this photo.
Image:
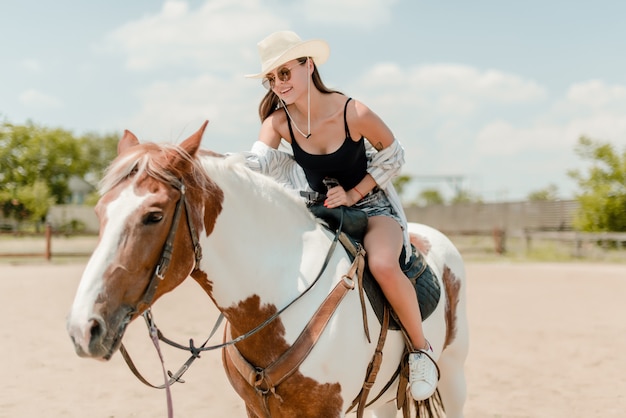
(192, 144)
(128, 140)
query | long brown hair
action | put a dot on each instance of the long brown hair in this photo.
(271, 102)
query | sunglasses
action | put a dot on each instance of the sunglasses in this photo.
(283, 73)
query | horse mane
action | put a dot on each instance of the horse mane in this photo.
(234, 168)
(153, 160)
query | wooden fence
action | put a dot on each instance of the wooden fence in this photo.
(531, 222)
(484, 218)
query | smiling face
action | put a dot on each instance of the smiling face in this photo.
(289, 80)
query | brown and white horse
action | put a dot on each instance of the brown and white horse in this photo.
(261, 249)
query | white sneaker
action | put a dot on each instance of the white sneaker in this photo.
(423, 374)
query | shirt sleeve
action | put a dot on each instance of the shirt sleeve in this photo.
(277, 164)
(384, 165)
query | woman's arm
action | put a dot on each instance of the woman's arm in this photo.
(387, 156)
(269, 134)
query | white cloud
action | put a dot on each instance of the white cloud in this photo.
(31, 65)
(172, 110)
(457, 119)
(221, 34)
(597, 94)
(444, 94)
(36, 99)
(354, 12)
(501, 138)
(490, 85)
(590, 108)
(213, 37)
(449, 87)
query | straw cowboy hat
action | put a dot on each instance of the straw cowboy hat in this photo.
(284, 46)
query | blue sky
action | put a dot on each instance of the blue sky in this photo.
(497, 92)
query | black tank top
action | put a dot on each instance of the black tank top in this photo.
(348, 164)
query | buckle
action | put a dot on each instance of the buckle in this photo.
(312, 198)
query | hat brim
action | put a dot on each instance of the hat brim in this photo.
(316, 49)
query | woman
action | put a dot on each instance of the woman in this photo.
(328, 133)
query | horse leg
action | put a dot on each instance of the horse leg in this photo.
(452, 383)
(387, 410)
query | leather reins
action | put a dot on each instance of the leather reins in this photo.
(159, 274)
(281, 369)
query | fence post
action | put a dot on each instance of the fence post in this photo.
(48, 253)
(578, 246)
(499, 238)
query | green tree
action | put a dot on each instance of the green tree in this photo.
(465, 196)
(37, 162)
(602, 197)
(400, 181)
(30, 153)
(36, 198)
(550, 193)
(429, 197)
(99, 151)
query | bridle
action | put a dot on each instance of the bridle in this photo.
(159, 274)
(168, 247)
(146, 301)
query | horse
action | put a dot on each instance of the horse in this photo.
(259, 254)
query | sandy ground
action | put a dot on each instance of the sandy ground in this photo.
(547, 340)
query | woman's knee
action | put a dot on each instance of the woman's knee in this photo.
(384, 271)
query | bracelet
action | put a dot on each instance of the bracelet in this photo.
(357, 190)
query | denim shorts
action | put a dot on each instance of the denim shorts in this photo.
(376, 203)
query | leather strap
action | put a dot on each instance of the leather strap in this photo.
(168, 248)
(355, 250)
(402, 400)
(266, 380)
(364, 310)
(174, 377)
(372, 368)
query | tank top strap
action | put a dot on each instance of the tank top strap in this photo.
(293, 139)
(345, 119)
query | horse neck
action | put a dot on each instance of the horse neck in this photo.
(256, 246)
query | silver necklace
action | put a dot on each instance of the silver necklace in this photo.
(296, 126)
(308, 106)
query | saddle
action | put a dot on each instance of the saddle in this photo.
(353, 223)
(427, 289)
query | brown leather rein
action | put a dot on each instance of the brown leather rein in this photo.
(263, 380)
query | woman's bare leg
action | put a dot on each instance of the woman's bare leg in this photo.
(383, 243)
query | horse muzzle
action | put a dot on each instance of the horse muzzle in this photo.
(95, 338)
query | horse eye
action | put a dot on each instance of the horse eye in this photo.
(153, 218)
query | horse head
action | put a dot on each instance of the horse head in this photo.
(144, 248)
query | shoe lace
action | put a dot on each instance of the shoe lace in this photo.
(417, 371)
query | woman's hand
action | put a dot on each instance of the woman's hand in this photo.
(337, 196)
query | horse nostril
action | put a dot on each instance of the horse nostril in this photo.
(97, 329)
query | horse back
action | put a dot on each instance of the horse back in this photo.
(446, 262)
